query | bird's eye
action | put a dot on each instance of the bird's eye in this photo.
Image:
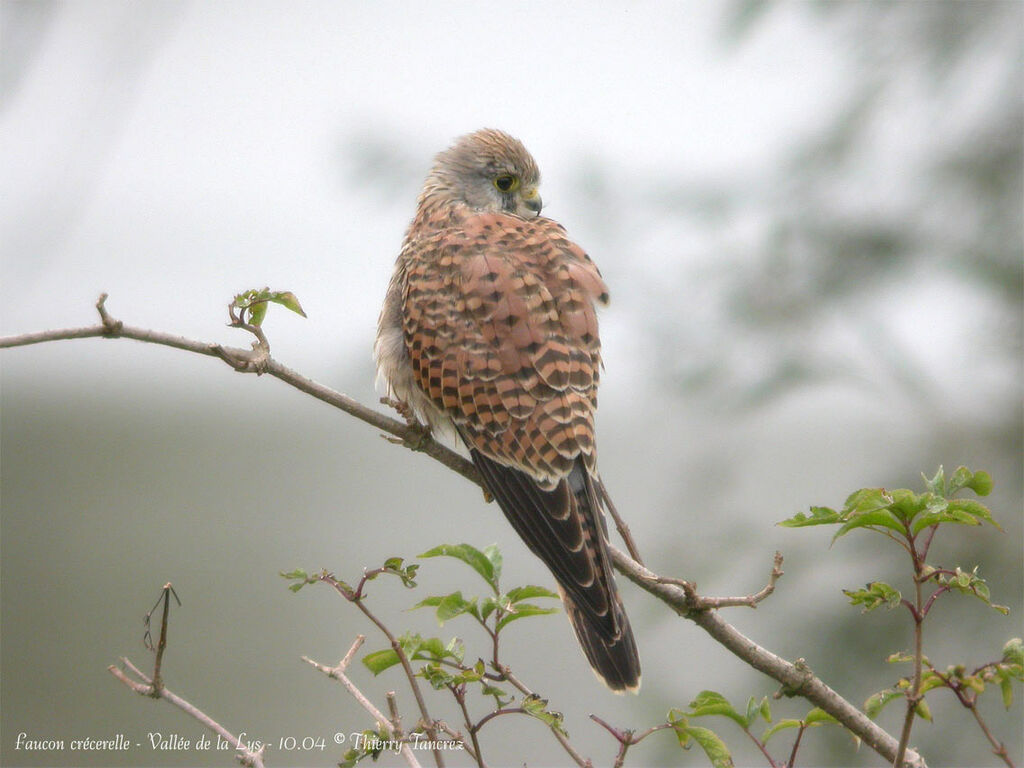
(506, 182)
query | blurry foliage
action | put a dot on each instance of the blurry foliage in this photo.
(864, 208)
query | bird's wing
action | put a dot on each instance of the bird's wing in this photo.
(499, 321)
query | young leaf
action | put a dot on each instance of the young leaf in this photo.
(1006, 687)
(818, 516)
(257, 311)
(492, 553)
(521, 611)
(979, 482)
(755, 708)
(876, 594)
(877, 517)
(876, 702)
(453, 605)
(289, 300)
(937, 484)
(818, 716)
(906, 505)
(436, 676)
(516, 594)
(781, 725)
(487, 607)
(378, 661)
(712, 745)
(535, 706)
(713, 703)
(431, 601)
(1013, 651)
(975, 509)
(866, 500)
(472, 557)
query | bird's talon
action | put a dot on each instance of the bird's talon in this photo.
(418, 436)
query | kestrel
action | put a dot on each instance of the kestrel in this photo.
(488, 329)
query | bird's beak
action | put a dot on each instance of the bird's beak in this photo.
(531, 199)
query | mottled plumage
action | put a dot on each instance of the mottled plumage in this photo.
(489, 328)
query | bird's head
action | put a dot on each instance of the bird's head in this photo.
(489, 171)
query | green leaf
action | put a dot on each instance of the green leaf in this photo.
(437, 677)
(487, 607)
(877, 517)
(453, 605)
(429, 602)
(1013, 651)
(1006, 687)
(257, 311)
(866, 500)
(981, 483)
(876, 702)
(877, 593)
(430, 648)
(923, 710)
(516, 594)
(975, 509)
(289, 300)
(713, 703)
(536, 707)
(472, 557)
(818, 716)
(818, 516)
(501, 696)
(969, 583)
(378, 661)
(906, 505)
(755, 708)
(781, 725)
(521, 611)
(937, 484)
(930, 680)
(492, 553)
(712, 745)
(301, 579)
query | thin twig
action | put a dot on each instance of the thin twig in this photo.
(971, 702)
(154, 688)
(459, 692)
(248, 361)
(515, 682)
(797, 679)
(625, 739)
(356, 599)
(338, 673)
(702, 603)
(620, 524)
(796, 745)
(914, 695)
(246, 756)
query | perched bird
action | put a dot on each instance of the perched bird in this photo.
(489, 329)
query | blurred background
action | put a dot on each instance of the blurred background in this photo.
(809, 217)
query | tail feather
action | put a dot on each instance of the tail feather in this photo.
(565, 527)
(616, 663)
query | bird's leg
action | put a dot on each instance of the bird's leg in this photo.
(417, 435)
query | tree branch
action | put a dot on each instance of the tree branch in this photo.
(153, 687)
(388, 724)
(796, 678)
